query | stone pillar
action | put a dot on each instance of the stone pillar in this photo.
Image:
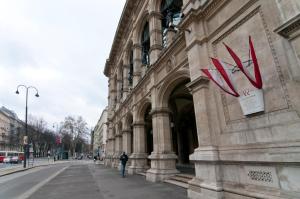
(126, 137)
(155, 35)
(119, 90)
(163, 159)
(171, 32)
(113, 92)
(118, 150)
(125, 81)
(207, 183)
(110, 145)
(113, 143)
(107, 160)
(137, 59)
(139, 155)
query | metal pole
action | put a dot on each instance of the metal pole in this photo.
(26, 154)
(26, 130)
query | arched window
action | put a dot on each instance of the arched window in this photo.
(171, 11)
(145, 41)
(130, 75)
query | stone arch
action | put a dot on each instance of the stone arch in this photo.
(128, 121)
(129, 62)
(140, 25)
(119, 127)
(144, 104)
(171, 81)
(128, 128)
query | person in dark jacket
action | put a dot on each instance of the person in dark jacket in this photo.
(123, 159)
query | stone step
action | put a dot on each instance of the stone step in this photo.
(142, 173)
(177, 183)
(183, 175)
(180, 180)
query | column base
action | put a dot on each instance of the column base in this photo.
(163, 166)
(108, 161)
(138, 163)
(199, 190)
(207, 182)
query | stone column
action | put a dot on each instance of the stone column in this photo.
(163, 159)
(118, 150)
(137, 59)
(119, 90)
(110, 143)
(126, 68)
(206, 156)
(107, 161)
(171, 32)
(113, 92)
(207, 182)
(139, 155)
(155, 35)
(113, 151)
(126, 137)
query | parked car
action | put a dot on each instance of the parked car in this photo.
(15, 159)
(7, 159)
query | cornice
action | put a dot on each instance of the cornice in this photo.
(290, 27)
(121, 28)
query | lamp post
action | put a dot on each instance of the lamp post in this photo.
(26, 109)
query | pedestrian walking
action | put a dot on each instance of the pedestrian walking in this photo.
(123, 159)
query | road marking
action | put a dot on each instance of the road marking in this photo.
(31, 191)
(4, 179)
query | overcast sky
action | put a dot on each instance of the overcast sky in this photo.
(60, 47)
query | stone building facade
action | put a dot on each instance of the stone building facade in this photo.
(100, 135)
(10, 125)
(166, 114)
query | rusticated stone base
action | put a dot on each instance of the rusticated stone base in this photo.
(162, 167)
(138, 163)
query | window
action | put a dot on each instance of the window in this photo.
(171, 11)
(130, 75)
(145, 45)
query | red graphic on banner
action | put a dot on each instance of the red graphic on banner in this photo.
(222, 76)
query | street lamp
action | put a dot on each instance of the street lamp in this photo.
(26, 131)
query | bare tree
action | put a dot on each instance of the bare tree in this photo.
(77, 130)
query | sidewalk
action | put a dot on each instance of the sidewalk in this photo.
(19, 168)
(112, 185)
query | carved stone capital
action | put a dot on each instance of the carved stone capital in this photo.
(138, 124)
(162, 110)
(199, 83)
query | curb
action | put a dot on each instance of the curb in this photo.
(20, 170)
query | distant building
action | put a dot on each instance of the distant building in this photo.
(10, 130)
(100, 135)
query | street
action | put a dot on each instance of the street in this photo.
(82, 179)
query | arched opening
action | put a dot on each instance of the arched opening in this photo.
(115, 90)
(171, 16)
(130, 73)
(183, 125)
(148, 130)
(120, 81)
(120, 141)
(130, 128)
(145, 42)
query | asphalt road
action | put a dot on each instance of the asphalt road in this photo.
(83, 180)
(19, 185)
